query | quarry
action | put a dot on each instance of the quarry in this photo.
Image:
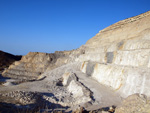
(109, 74)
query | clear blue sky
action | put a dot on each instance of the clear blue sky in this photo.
(51, 25)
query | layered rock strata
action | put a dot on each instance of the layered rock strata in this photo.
(118, 56)
(32, 65)
(112, 65)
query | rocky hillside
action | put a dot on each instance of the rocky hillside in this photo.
(32, 65)
(6, 59)
(110, 71)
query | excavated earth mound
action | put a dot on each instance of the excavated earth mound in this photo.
(110, 71)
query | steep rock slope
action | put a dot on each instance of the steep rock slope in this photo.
(119, 56)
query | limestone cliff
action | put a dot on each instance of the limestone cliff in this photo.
(110, 66)
(121, 56)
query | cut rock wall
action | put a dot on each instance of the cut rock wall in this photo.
(119, 56)
(125, 80)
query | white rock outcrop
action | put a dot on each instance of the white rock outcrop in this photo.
(119, 55)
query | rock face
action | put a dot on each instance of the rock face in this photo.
(35, 63)
(7, 59)
(111, 66)
(118, 56)
(32, 65)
